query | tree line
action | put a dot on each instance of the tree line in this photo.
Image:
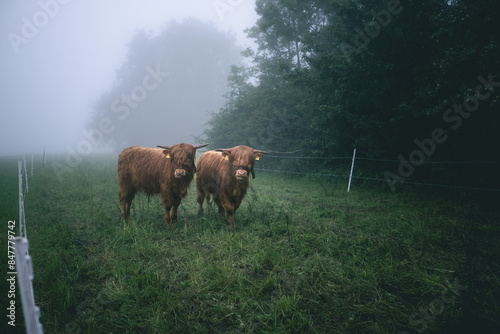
(412, 81)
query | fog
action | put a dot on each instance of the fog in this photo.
(60, 58)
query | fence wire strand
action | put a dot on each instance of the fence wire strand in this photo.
(378, 179)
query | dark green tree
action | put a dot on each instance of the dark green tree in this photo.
(376, 75)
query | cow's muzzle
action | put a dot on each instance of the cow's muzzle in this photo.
(241, 175)
(179, 173)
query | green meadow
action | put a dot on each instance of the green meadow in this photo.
(306, 257)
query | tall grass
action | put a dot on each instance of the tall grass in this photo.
(306, 258)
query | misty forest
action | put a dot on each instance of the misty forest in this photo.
(409, 81)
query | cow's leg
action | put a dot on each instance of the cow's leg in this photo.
(173, 215)
(229, 208)
(128, 204)
(123, 205)
(222, 211)
(230, 214)
(230, 219)
(199, 198)
(167, 203)
(126, 198)
(166, 219)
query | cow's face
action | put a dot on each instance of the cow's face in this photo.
(182, 156)
(242, 160)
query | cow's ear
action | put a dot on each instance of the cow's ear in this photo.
(226, 154)
(166, 153)
(259, 154)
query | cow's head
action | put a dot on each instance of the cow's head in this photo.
(242, 159)
(182, 157)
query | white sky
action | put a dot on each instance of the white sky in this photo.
(70, 59)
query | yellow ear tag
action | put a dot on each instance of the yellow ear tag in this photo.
(257, 158)
(168, 156)
(226, 158)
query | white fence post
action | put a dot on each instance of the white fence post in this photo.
(24, 268)
(21, 205)
(352, 167)
(26, 175)
(22, 217)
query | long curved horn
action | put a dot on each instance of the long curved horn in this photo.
(259, 151)
(200, 146)
(165, 147)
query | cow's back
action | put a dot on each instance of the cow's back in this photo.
(140, 169)
(211, 170)
(209, 162)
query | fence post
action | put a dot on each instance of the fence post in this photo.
(24, 268)
(20, 175)
(22, 219)
(352, 167)
(26, 175)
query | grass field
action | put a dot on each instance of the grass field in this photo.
(306, 257)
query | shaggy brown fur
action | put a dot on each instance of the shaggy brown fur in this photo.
(224, 175)
(167, 171)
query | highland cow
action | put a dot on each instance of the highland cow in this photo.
(167, 171)
(224, 175)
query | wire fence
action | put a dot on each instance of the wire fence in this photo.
(23, 266)
(356, 159)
